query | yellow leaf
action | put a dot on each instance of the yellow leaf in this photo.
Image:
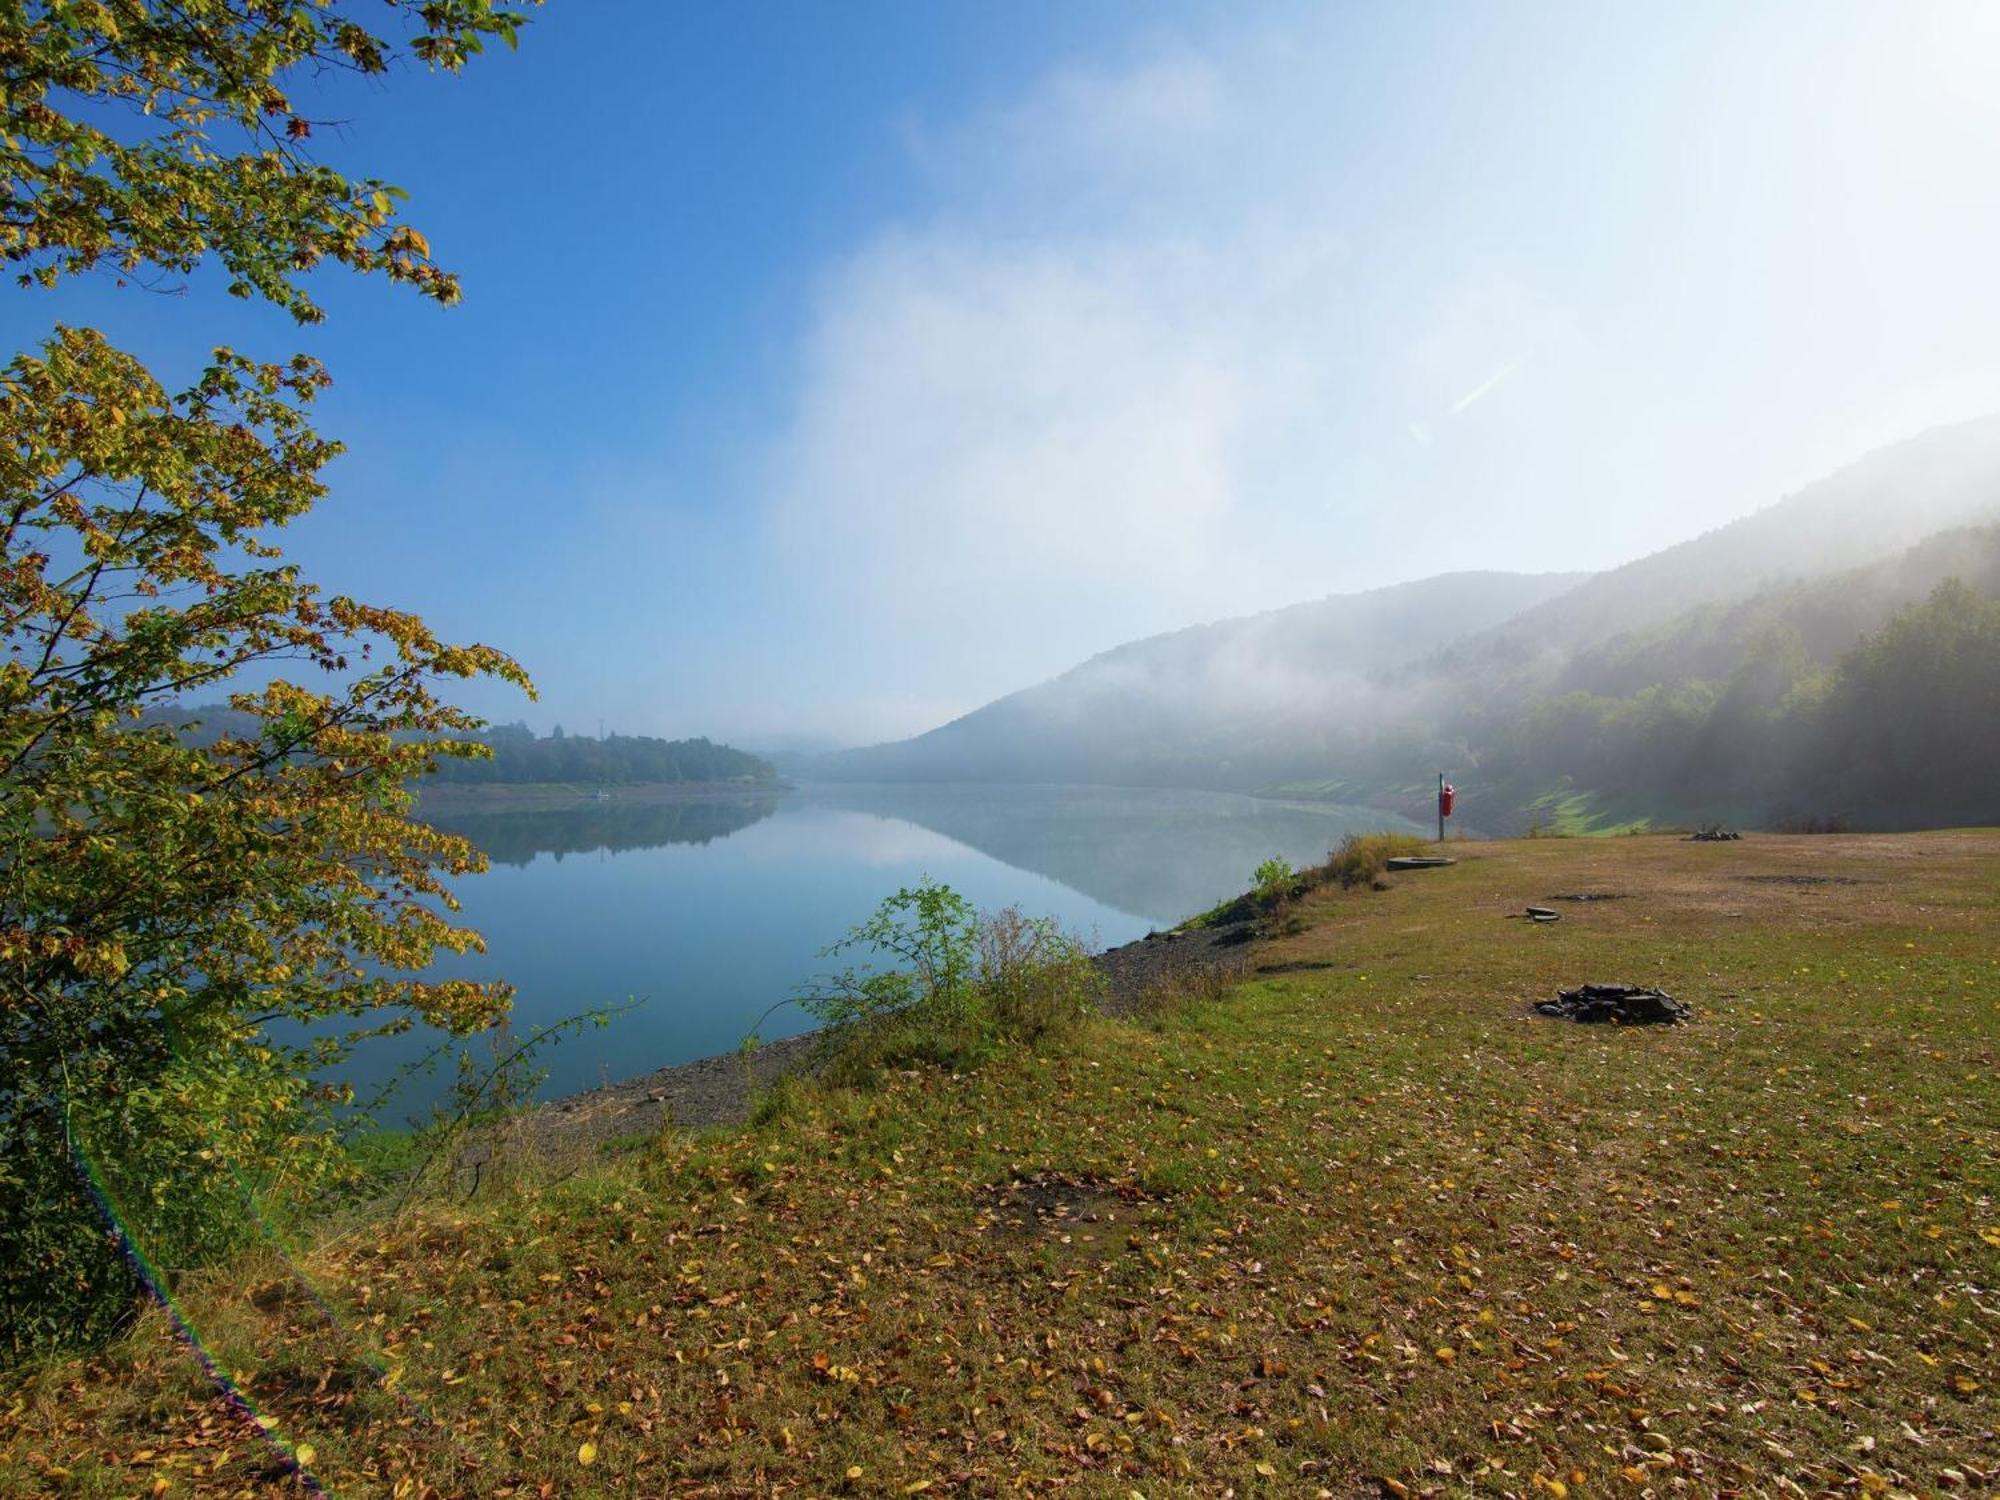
(854, 1471)
(1446, 1356)
(917, 1488)
(305, 1454)
(587, 1454)
(1267, 1471)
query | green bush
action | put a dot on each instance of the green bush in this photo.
(1271, 878)
(942, 985)
(1034, 979)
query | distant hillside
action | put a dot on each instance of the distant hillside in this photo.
(1685, 682)
(1231, 704)
(1870, 699)
(1826, 616)
(1874, 508)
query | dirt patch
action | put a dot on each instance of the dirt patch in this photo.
(1083, 1214)
(1801, 880)
(1590, 896)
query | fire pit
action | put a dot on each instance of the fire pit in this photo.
(1618, 1005)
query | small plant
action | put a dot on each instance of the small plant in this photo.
(932, 932)
(1271, 878)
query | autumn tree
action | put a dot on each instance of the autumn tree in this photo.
(164, 903)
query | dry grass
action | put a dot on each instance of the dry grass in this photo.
(1362, 1225)
(1363, 857)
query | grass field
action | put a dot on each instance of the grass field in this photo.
(1366, 1225)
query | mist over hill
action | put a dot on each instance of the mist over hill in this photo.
(1874, 508)
(1226, 705)
(1357, 697)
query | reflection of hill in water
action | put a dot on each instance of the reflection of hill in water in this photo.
(514, 836)
(1157, 853)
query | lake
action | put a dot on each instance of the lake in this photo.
(708, 911)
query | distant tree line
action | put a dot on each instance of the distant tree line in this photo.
(519, 755)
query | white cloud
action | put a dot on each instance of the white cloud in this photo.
(1268, 314)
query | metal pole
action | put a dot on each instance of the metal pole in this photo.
(1440, 807)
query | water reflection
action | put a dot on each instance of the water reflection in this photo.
(1154, 853)
(514, 836)
(711, 909)
(1158, 853)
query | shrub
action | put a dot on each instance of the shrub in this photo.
(1034, 979)
(1271, 878)
(943, 984)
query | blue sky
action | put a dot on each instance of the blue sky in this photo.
(827, 370)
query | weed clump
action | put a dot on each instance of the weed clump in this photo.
(1362, 857)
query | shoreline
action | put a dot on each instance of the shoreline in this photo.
(499, 796)
(709, 1092)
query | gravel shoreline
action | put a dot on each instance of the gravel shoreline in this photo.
(717, 1091)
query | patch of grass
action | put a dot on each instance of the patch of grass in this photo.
(1359, 1226)
(1362, 857)
(385, 1155)
(1181, 987)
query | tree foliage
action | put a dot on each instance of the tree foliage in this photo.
(166, 901)
(109, 127)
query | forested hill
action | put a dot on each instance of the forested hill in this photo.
(519, 755)
(1752, 714)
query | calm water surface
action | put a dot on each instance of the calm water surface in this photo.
(707, 912)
